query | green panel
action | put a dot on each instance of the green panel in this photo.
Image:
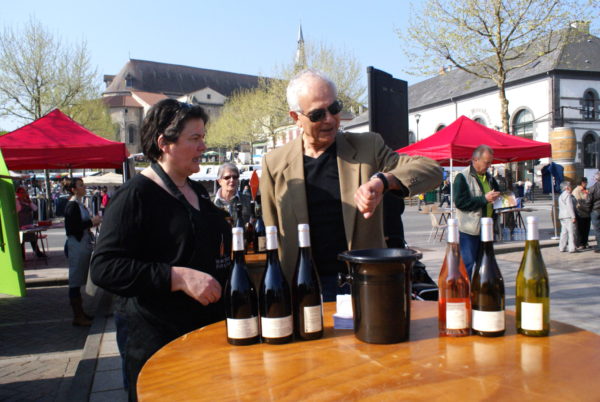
(12, 279)
(430, 197)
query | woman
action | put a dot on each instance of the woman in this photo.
(163, 245)
(25, 210)
(583, 214)
(227, 197)
(78, 247)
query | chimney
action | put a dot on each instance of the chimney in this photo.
(581, 26)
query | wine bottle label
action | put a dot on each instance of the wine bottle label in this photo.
(242, 328)
(276, 327)
(303, 235)
(312, 319)
(456, 315)
(532, 316)
(271, 237)
(488, 321)
(238, 241)
(262, 243)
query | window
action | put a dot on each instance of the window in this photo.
(207, 96)
(480, 121)
(131, 135)
(590, 150)
(128, 81)
(440, 127)
(523, 124)
(411, 138)
(589, 105)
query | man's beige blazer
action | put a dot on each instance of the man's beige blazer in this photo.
(359, 156)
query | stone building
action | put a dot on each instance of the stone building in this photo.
(140, 84)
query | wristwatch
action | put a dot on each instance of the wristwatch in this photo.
(383, 179)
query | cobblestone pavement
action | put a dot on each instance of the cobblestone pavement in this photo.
(39, 348)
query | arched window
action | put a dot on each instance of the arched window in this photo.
(523, 124)
(590, 150)
(480, 121)
(411, 138)
(440, 127)
(131, 135)
(589, 105)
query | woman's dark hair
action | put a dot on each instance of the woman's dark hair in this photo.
(70, 184)
(168, 118)
(583, 180)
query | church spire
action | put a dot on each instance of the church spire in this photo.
(300, 60)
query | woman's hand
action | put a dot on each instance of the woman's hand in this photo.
(96, 220)
(198, 285)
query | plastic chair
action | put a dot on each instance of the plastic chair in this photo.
(435, 225)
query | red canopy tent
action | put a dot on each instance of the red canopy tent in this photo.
(55, 141)
(455, 144)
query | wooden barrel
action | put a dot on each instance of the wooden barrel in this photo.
(570, 173)
(564, 144)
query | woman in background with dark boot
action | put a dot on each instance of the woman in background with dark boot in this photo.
(78, 222)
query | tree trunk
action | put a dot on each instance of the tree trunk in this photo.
(508, 167)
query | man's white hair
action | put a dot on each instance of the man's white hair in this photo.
(298, 84)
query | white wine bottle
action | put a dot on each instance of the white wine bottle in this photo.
(533, 290)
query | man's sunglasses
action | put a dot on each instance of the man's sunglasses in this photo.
(319, 114)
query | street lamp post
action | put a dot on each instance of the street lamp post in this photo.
(417, 118)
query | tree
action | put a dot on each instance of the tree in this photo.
(488, 38)
(256, 115)
(39, 73)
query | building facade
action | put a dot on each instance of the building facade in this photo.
(140, 84)
(559, 90)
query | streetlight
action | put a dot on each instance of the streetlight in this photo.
(417, 118)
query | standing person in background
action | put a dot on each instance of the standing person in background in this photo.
(528, 190)
(78, 223)
(104, 199)
(475, 190)
(568, 219)
(583, 214)
(164, 245)
(25, 210)
(593, 204)
(445, 193)
(333, 181)
(227, 197)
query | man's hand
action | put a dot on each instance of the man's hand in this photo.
(198, 285)
(492, 196)
(368, 196)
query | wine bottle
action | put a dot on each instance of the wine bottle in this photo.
(275, 302)
(241, 302)
(249, 232)
(487, 287)
(454, 301)
(533, 292)
(306, 291)
(239, 221)
(260, 245)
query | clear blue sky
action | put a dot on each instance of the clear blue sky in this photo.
(240, 36)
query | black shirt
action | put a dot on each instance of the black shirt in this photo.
(327, 234)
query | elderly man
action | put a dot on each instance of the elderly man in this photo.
(593, 203)
(333, 180)
(474, 192)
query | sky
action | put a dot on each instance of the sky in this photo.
(250, 37)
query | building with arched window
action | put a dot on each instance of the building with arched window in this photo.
(559, 89)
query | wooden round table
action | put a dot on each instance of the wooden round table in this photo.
(201, 365)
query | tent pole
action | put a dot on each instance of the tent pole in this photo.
(451, 191)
